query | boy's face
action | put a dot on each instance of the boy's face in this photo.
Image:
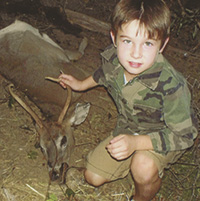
(136, 52)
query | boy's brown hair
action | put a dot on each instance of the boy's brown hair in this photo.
(154, 15)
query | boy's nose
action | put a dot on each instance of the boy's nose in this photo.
(136, 52)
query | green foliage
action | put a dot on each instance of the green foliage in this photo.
(52, 197)
(70, 193)
(11, 102)
(32, 155)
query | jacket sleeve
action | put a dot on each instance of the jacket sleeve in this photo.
(180, 130)
(99, 76)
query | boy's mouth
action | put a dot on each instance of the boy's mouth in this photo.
(134, 64)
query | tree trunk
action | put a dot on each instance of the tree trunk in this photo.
(87, 22)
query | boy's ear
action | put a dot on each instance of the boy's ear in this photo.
(113, 38)
(164, 45)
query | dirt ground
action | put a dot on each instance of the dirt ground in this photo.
(23, 170)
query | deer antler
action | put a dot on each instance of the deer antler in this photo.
(26, 107)
(52, 79)
(66, 106)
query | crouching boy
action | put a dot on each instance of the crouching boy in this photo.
(155, 122)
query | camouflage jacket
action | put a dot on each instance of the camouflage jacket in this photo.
(156, 103)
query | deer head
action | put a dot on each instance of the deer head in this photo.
(56, 138)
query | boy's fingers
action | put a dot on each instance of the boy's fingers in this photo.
(115, 139)
(63, 85)
(63, 76)
(113, 146)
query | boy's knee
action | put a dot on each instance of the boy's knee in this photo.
(143, 168)
(94, 179)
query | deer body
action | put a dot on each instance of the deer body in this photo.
(27, 56)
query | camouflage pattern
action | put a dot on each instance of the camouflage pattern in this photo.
(156, 103)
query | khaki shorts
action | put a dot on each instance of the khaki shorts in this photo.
(100, 162)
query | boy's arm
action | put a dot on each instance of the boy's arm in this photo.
(180, 130)
(178, 134)
(75, 84)
(88, 83)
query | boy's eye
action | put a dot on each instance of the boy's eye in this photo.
(127, 41)
(148, 44)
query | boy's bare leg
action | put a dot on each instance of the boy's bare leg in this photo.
(94, 179)
(145, 175)
(146, 178)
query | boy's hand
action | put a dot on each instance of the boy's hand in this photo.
(75, 84)
(121, 147)
(71, 81)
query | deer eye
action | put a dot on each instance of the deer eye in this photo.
(63, 141)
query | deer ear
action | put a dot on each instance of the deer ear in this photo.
(80, 113)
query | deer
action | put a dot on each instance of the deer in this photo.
(56, 138)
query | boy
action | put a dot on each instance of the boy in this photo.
(155, 123)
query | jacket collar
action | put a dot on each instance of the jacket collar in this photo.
(151, 77)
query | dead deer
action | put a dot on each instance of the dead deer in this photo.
(56, 138)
